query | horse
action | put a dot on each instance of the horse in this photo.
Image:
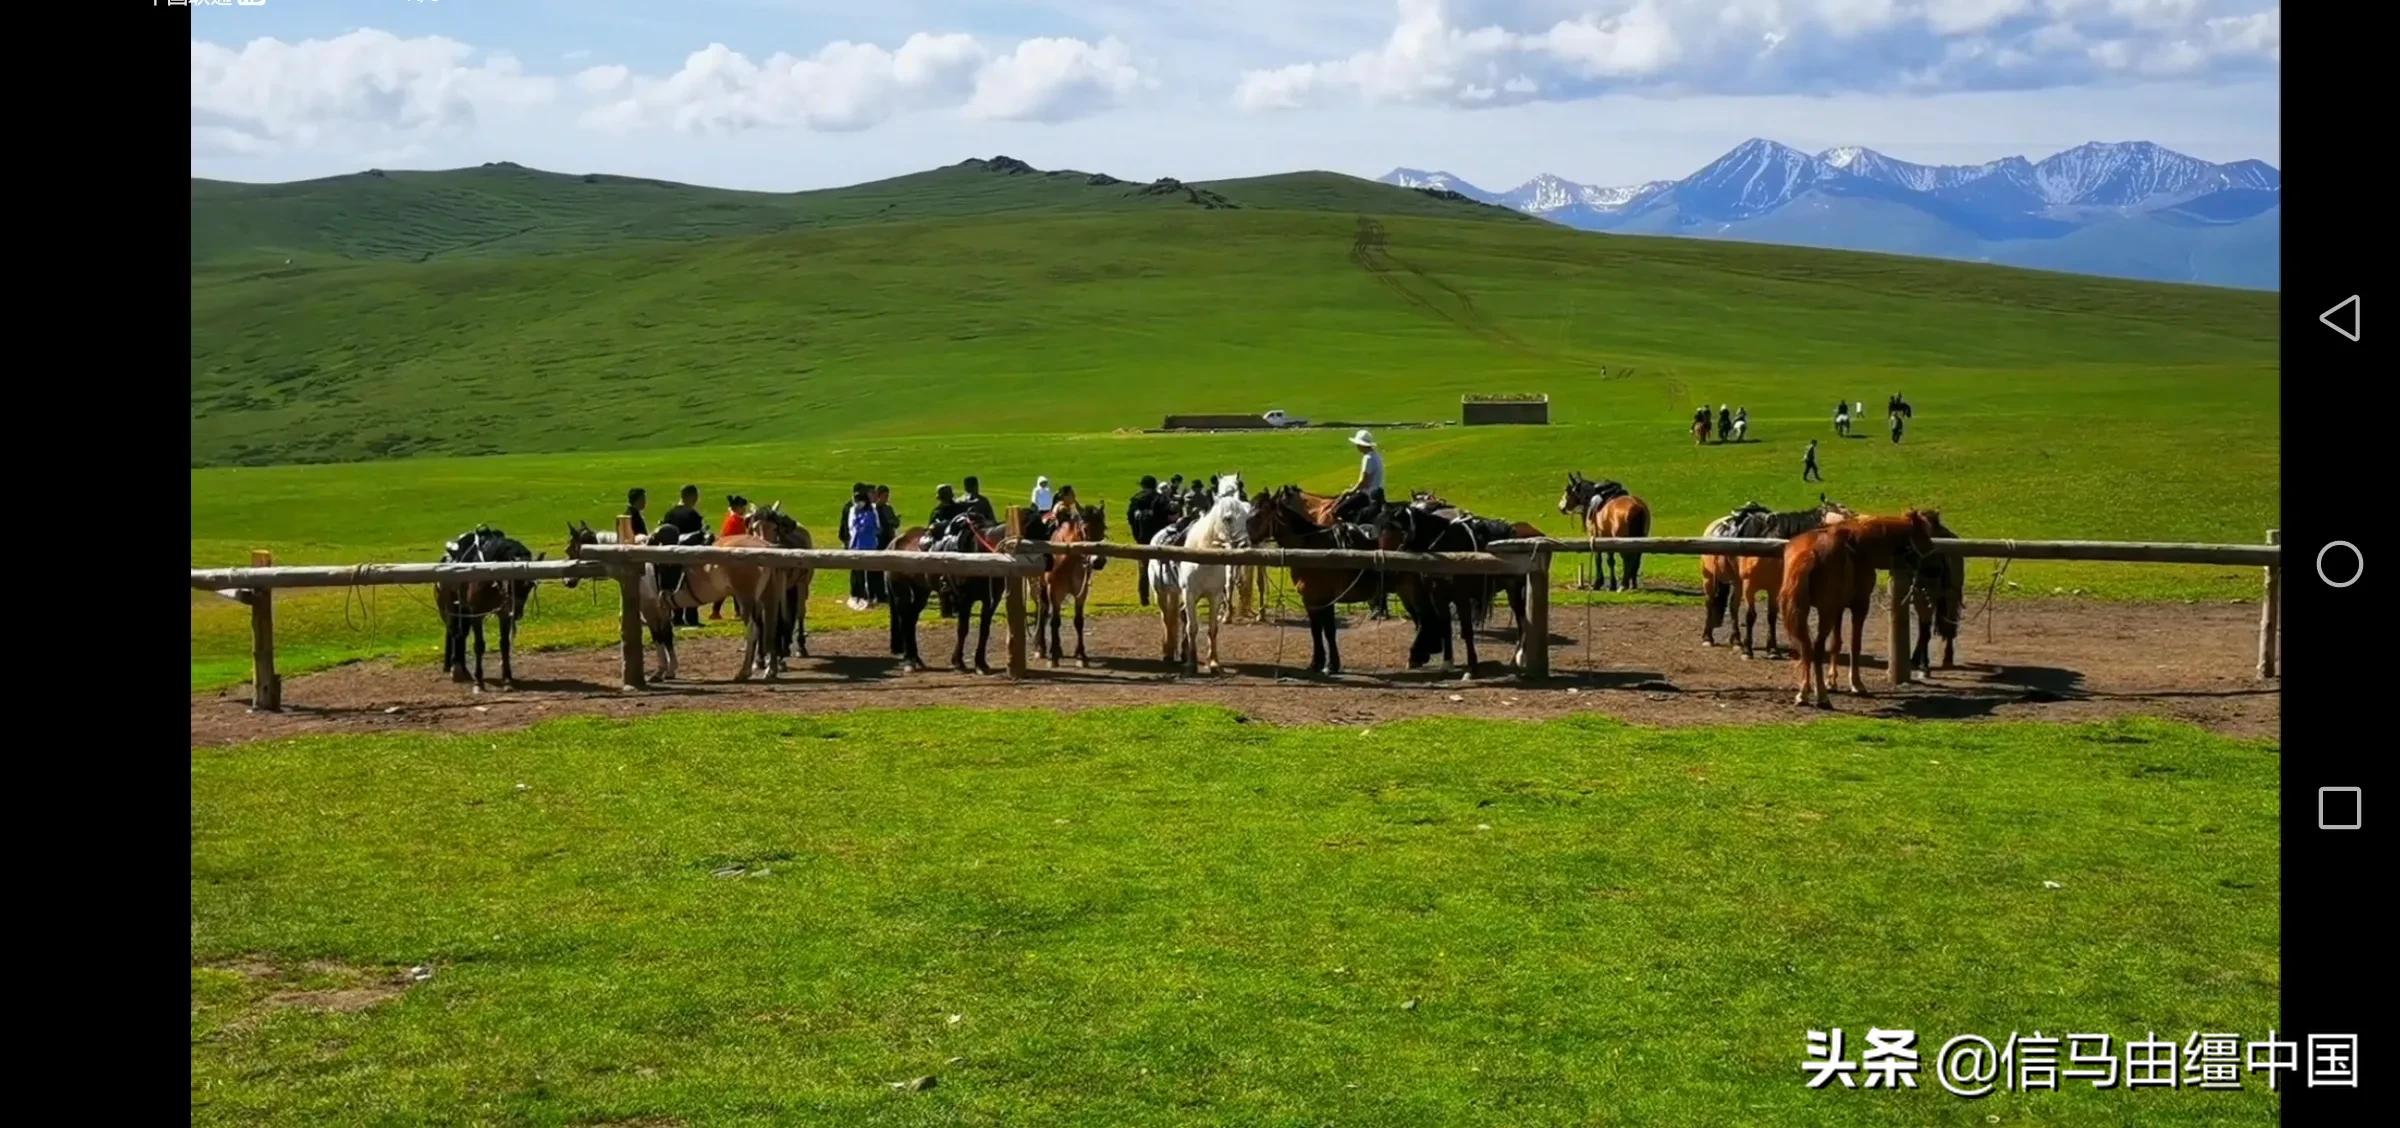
(1719, 575)
(1939, 594)
(1763, 575)
(1282, 516)
(1741, 428)
(1607, 510)
(1831, 570)
(1441, 598)
(1067, 576)
(1145, 516)
(773, 602)
(1181, 585)
(1699, 430)
(464, 605)
(1896, 425)
(1841, 420)
(912, 591)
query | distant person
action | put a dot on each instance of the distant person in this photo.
(887, 530)
(636, 500)
(736, 523)
(1808, 467)
(1841, 418)
(1896, 417)
(1361, 494)
(687, 522)
(1741, 424)
(860, 534)
(945, 507)
(1724, 423)
(1042, 497)
(971, 500)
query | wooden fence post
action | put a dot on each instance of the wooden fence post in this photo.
(1537, 616)
(1902, 581)
(630, 625)
(266, 686)
(2270, 613)
(1016, 600)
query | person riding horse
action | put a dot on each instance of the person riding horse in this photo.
(1365, 496)
(1724, 422)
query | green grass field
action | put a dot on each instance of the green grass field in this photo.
(1172, 917)
(353, 407)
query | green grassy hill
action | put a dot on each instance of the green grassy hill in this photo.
(978, 319)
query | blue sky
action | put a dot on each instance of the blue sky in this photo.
(788, 94)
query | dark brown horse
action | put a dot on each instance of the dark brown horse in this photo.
(1831, 570)
(1939, 596)
(1068, 577)
(1606, 509)
(912, 592)
(1283, 516)
(463, 606)
(1436, 601)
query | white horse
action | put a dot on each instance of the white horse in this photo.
(1181, 586)
(1741, 427)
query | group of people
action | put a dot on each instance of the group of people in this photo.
(1731, 424)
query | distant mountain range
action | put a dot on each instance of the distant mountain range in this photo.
(2124, 209)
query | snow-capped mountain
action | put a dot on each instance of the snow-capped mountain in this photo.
(2145, 199)
(1439, 182)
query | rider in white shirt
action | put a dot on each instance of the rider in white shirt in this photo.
(1370, 472)
(1041, 495)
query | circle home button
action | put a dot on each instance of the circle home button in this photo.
(2357, 566)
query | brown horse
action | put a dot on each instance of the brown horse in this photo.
(1939, 595)
(1607, 510)
(1831, 570)
(1068, 577)
(773, 602)
(1763, 575)
(1700, 430)
(463, 606)
(1282, 516)
(912, 592)
(1720, 575)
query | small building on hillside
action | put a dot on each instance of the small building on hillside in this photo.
(1484, 409)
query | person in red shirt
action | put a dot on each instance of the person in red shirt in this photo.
(737, 522)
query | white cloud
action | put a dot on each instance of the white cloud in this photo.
(1053, 80)
(1498, 52)
(367, 91)
(849, 86)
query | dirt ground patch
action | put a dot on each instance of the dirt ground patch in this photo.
(317, 985)
(2059, 660)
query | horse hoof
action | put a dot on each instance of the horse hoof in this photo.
(983, 669)
(478, 688)
(1083, 663)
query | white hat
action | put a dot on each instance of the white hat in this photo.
(1042, 480)
(1362, 438)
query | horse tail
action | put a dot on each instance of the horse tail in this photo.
(1720, 600)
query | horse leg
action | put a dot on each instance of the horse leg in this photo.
(1466, 635)
(1633, 571)
(454, 646)
(983, 633)
(1333, 645)
(1858, 631)
(478, 653)
(1827, 650)
(958, 650)
(1316, 635)
(1081, 659)
(1797, 623)
(508, 632)
(796, 600)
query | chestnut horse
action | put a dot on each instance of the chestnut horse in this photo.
(1607, 510)
(773, 602)
(1831, 570)
(1068, 577)
(1763, 575)
(1719, 575)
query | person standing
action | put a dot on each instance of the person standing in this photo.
(973, 501)
(636, 500)
(736, 523)
(685, 519)
(1042, 497)
(859, 532)
(887, 529)
(1808, 467)
(945, 507)
(1141, 520)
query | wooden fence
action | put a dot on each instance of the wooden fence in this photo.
(1020, 560)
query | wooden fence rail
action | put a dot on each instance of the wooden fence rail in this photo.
(1021, 560)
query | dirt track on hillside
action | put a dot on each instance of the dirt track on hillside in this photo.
(2052, 661)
